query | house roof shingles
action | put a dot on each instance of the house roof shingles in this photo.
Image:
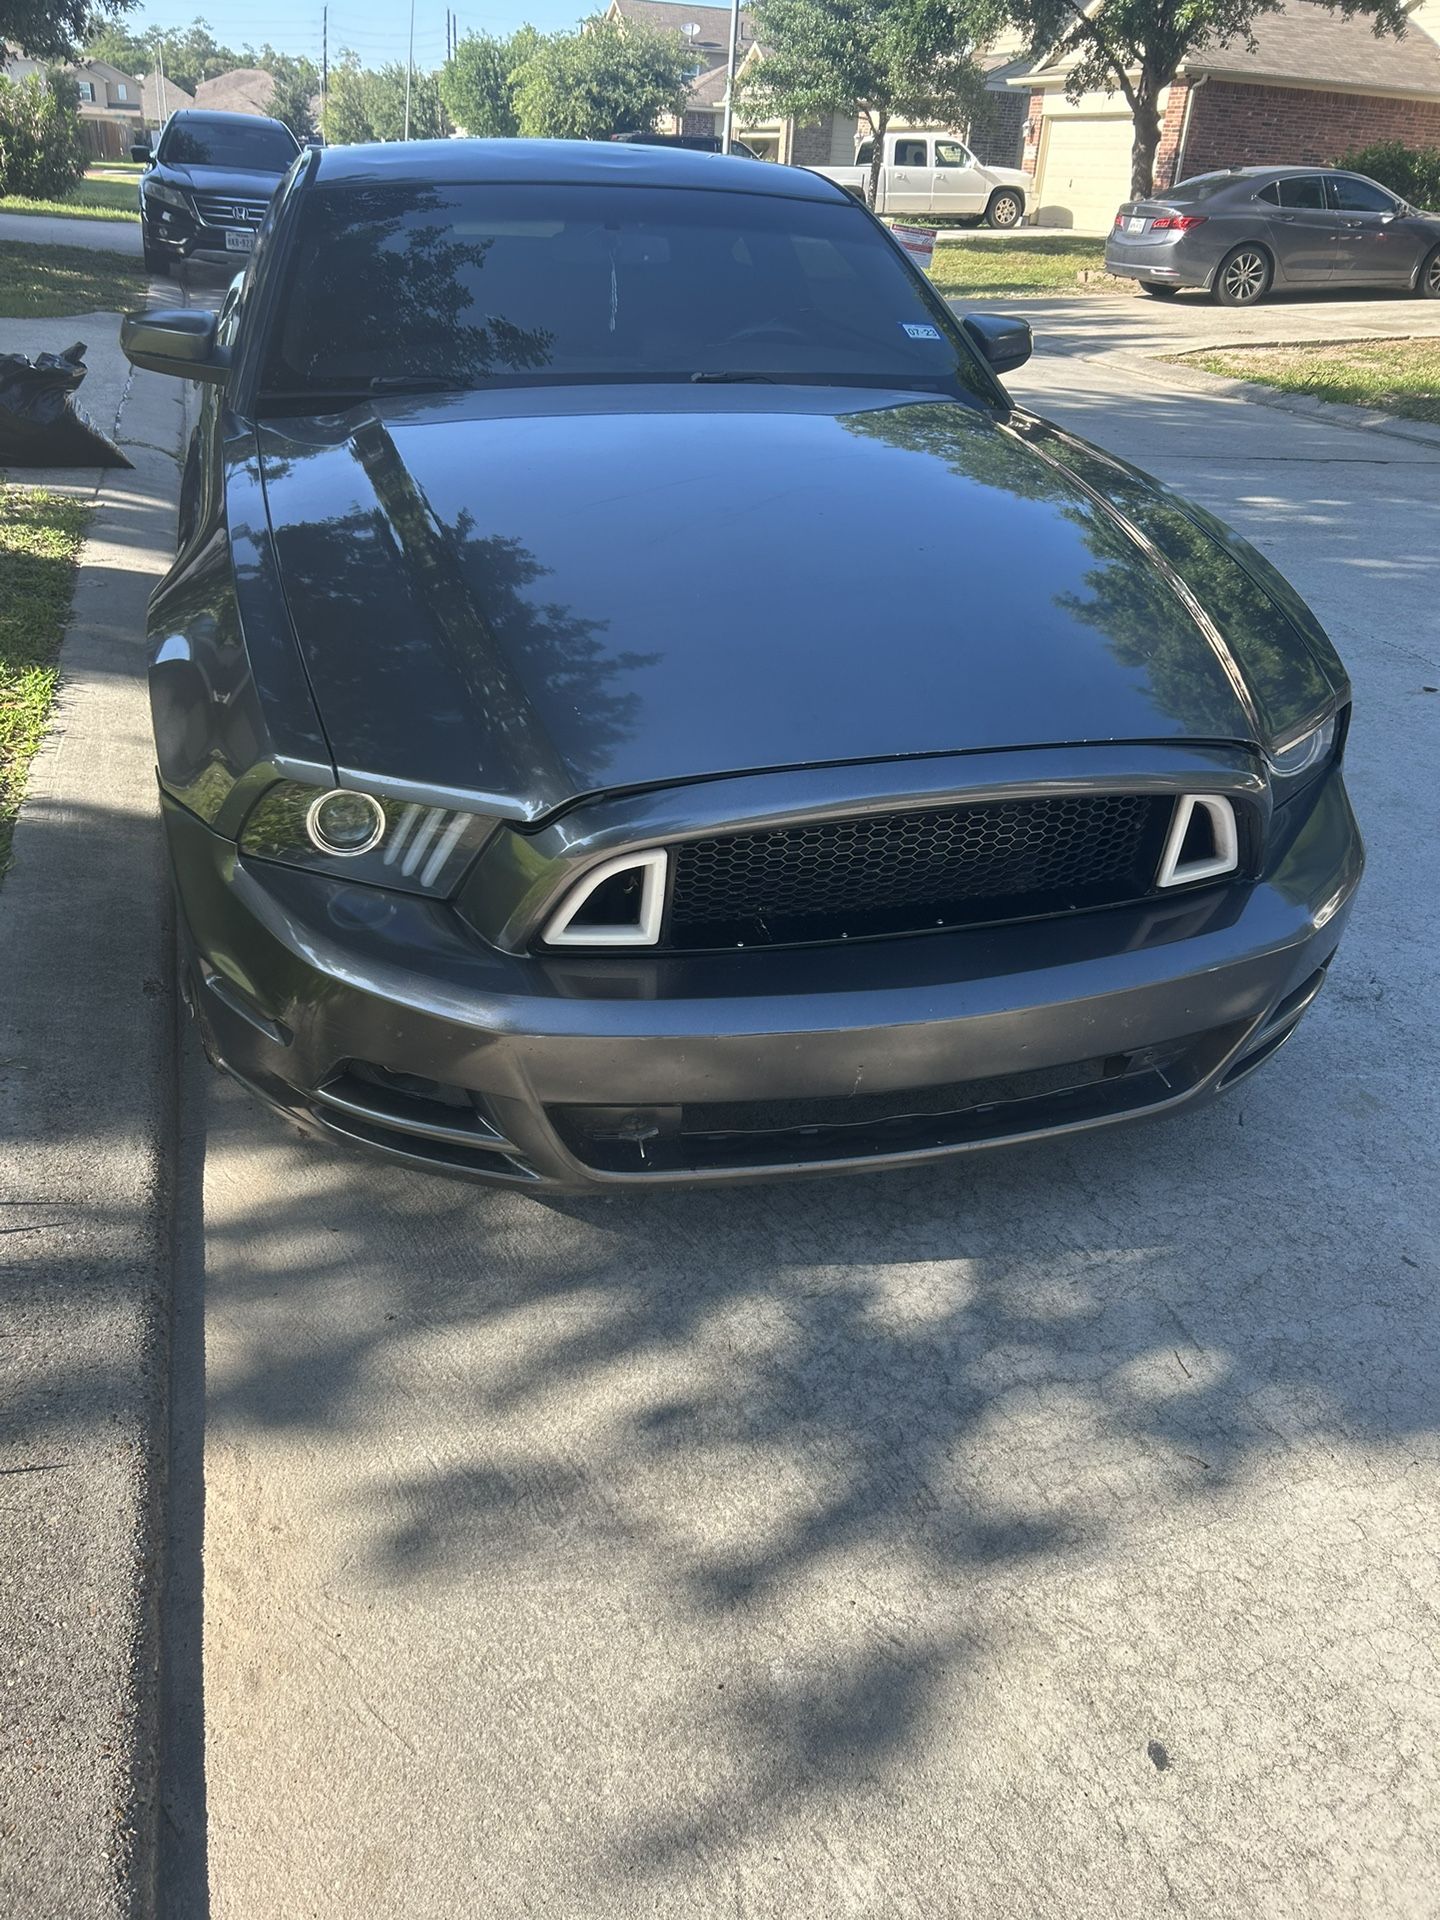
(667, 17)
(159, 103)
(1307, 43)
(242, 90)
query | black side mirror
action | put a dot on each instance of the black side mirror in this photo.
(1004, 342)
(179, 341)
(140, 150)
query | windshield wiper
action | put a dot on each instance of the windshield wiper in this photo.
(768, 378)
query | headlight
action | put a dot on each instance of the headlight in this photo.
(1298, 761)
(167, 195)
(360, 836)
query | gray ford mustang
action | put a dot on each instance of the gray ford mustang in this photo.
(636, 701)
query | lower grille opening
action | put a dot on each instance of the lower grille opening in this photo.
(409, 1113)
(713, 1135)
(908, 872)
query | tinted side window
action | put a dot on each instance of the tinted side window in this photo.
(1350, 195)
(865, 153)
(1302, 190)
(910, 153)
(950, 153)
(1270, 193)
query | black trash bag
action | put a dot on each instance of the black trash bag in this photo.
(40, 425)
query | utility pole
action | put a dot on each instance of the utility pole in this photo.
(160, 67)
(324, 67)
(409, 69)
(729, 126)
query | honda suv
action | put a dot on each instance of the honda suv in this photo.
(209, 183)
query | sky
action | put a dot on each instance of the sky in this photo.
(377, 30)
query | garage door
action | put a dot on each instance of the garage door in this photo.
(1085, 170)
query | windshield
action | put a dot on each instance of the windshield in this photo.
(259, 148)
(475, 283)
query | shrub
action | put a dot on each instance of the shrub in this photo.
(1412, 172)
(41, 152)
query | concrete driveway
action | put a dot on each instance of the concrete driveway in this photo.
(1051, 1533)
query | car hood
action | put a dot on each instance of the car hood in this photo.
(535, 595)
(236, 180)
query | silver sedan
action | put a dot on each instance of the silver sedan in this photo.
(1252, 230)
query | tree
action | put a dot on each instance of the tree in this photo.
(913, 59)
(1136, 47)
(604, 79)
(54, 29)
(367, 104)
(477, 84)
(297, 83)
(41, 151)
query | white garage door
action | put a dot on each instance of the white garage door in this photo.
(1085, 170)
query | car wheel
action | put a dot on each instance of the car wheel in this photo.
(1243, 279)
(1428, 285)
(155, 261)
(1006, 209)
(1157, 292)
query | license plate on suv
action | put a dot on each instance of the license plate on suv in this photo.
(239, 240)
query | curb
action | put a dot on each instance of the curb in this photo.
(87, 1132)
(1304, 406)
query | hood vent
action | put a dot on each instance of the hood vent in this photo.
(1203, 842)
(617, 904)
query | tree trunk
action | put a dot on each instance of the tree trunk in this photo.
(1147, 134)
(879, 121)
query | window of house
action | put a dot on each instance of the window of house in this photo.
(1302, 190)
(122, 92)
(87, 90)
(950, 153)
(1348, 194)
(910, 153)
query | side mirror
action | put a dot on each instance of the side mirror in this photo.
(1004, 342)
(141, 151)
(180, 341)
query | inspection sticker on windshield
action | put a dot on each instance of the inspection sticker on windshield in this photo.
(917, 331)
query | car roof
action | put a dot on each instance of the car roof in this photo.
(567, 162)
(214, 116)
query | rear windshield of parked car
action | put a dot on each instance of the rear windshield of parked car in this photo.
(254, 149)
(475, 283)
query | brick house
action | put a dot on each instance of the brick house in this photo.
(1315, 86)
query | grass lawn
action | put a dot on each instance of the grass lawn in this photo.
(1024, 263)
(1397, 376)
(36, 282)
(40, 535)
(96, 198)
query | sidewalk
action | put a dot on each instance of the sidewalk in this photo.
(85, 1123)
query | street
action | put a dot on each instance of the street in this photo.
(1048, 1532)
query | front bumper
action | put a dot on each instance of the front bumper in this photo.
(180, 233)
(379, 1019)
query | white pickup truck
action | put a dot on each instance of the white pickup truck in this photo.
(936, 173)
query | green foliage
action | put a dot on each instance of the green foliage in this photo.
(599, 81)
(478, 84)
(40, 147)
(40, 536)
(297, 84)
(55, 29)
(891, 58)
(191, 54)
(369, 104)
(1412, 172)
(1135, 47)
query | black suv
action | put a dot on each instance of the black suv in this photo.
(209, 183)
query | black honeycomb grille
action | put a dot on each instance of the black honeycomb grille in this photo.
(903, 872)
